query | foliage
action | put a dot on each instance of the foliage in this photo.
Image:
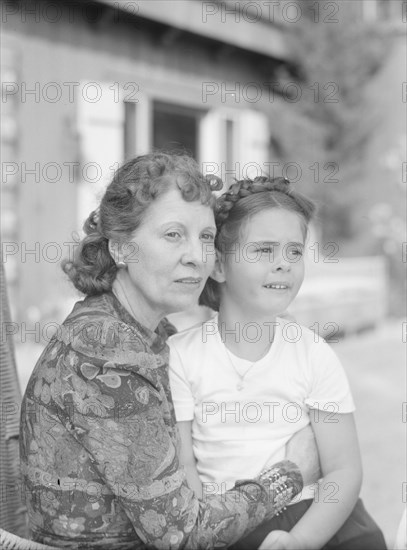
(335, 56)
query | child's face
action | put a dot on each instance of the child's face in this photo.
(266, 271)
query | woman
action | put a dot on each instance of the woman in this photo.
(99, 444)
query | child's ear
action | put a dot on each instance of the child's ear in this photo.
(218, 272)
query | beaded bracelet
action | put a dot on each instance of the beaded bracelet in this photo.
(281, 487)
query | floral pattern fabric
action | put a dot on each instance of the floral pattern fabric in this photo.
(99, 445)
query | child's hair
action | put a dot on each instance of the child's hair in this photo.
(134, 187)
(244, 199)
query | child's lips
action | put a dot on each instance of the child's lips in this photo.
(277, 286)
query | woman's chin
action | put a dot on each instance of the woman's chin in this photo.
(183, 304)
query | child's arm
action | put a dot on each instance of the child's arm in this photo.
(338, 491)
(342, 477)
(187, 457)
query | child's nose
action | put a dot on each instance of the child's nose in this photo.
(281, 263)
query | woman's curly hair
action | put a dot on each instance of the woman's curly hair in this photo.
(134, 187)
(244, 199)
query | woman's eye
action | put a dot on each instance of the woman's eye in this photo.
(208, 237)
(266, 250)
(173, 234)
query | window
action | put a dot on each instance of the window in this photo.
(176, 128)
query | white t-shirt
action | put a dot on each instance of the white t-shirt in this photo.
(236, 432)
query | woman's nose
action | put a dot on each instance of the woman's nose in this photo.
(193, 253)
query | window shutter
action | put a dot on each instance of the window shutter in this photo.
(101, 142)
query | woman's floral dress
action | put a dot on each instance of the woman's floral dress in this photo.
(99, 445)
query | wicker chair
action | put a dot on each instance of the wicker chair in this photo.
(12, 511)
(8, 541)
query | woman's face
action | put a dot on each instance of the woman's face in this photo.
(169, 257)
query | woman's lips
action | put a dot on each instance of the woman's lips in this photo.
(190, 280)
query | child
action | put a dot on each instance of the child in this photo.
(247, 380)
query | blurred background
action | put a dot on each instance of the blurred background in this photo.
(311, 90)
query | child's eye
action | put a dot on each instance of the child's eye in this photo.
(294, 252)
(266, 250)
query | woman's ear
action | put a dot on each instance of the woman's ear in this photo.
(218, 272)
(116, 251)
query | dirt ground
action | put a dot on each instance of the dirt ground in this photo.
(376, 366)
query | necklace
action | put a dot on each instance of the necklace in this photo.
(241, 382)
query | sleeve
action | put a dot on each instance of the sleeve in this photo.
(117, 417)
(330, 389)
(180, 387)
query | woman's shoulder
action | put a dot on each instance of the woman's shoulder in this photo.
(96, 329)
(91, 307)
(93, 341)
(79, 329)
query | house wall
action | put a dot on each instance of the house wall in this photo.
(53, 59)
